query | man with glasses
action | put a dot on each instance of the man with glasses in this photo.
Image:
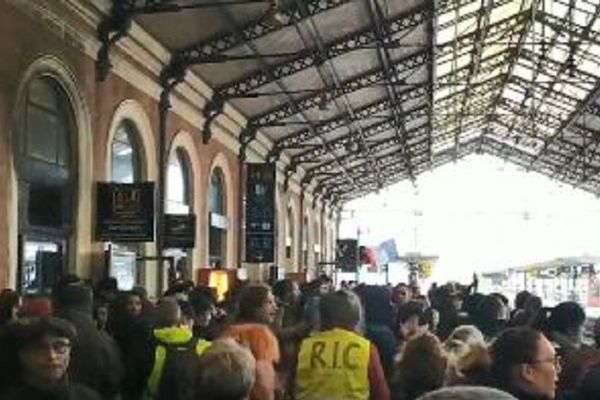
(35, 356)
(525, 364)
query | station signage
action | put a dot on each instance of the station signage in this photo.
(125, 212)
(179, 231)
(260, 213)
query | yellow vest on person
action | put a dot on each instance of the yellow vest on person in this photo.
(333, 365)
(174, 336)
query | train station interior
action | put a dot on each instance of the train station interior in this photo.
(179, 173)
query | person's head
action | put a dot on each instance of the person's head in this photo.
(9, 305)
(168, 313)
(422, 366)
(204, 308)
(188, 316)
(490, 316)
(412, 320)
(107, 289)
(101, 311)
(287, 291)
(468, 353)
(257, 304)
(521, 299)
(226, 372)
(340, 309)
(376, 302)
(523, 359)
(463, 338)
(133, 304)
(533, 305)
(401, 294)
(141, 291)
(467, 393)
(76, 296)
(568, 318)
(325, 284)
(449, 298)
(42, 347)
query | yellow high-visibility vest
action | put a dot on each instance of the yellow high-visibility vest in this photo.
(333, 365)
(175, 336)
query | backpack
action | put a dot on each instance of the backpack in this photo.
(180, 371)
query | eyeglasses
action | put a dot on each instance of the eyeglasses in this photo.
(554, 360)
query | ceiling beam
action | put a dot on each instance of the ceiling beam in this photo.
(406, 65)
(311, 57)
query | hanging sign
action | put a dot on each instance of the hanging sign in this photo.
(179, 231)
(125, 212)
(346, 251)
(260, 213)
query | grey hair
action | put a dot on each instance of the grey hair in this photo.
(467, 393)
(227, 371)
(462, 339)
(341, 308)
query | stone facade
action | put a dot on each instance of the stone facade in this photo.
(57, 39)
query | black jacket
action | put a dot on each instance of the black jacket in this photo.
(95, 358)
(70, 391)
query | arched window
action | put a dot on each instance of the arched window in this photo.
(305, 241)
(219, 223)
(46, 179)
(179, 201)
(179, 184)
(125, 154)
(289, 234)
(125, 168)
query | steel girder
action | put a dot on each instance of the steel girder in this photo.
(403, 68)
(483, 21)
(383, 33)
(346, 141)
(390, 164)
(209, 50)
(527, 23)
(547, 167)
(375, 148)
(461, 74)
(441, 158)
(375, 108)
(469, 15)
(312, 57)
(432, 30)
(499, 28)
(582, 32)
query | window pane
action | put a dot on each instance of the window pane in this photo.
(217, 192)
(176, 186)
(42, 93)
(41, 134)
(124, 155)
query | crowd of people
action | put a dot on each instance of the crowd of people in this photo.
(285, 341)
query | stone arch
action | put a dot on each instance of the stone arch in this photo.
(131, 110)
(220, 161)
(80, 245)
(185, 141)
